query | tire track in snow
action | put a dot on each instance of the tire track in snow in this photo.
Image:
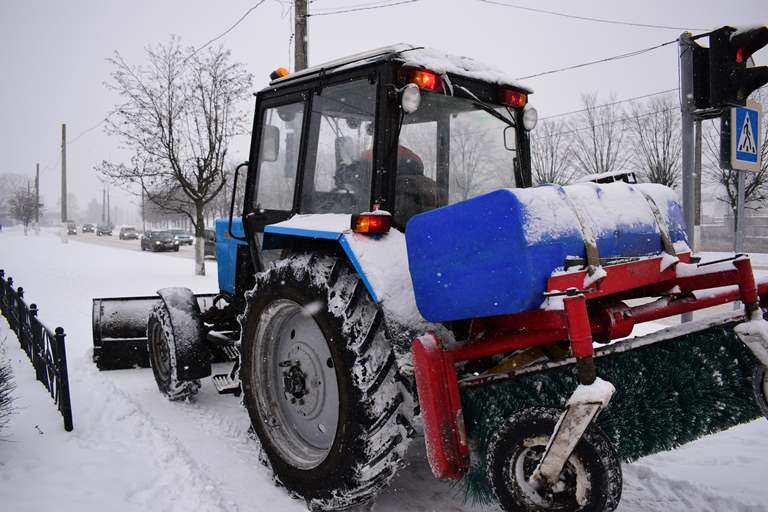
(183, 479)
(647, 491)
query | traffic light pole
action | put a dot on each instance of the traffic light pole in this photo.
(687, 106)
(740, 193)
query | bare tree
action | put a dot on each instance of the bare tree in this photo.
(551, 152)
(598, 136)
(471, 164)
(179, 113)
(755, 183)
(10, 183)
(654, 128)
(23, 206)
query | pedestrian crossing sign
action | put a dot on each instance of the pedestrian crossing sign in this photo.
(746, 137)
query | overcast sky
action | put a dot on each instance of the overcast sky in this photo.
(53, 67)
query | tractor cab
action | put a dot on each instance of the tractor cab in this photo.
(403, 129)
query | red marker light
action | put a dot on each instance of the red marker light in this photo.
(371, 223)
(739, 55)
(512, 98)
(426, 80)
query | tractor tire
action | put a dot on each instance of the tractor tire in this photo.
(590, 481)
(760, 387)
(162, 356)
(321, 384)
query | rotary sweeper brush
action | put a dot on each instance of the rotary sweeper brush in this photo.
(502, 319)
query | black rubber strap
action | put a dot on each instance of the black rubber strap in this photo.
(661, 222)
(590, 239)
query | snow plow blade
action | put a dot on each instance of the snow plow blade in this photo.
(120, 330)
(673, 386)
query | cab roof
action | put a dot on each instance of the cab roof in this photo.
(414, 56)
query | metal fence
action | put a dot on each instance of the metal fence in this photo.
(44, 348)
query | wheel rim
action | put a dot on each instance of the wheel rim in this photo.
(161, 354)
(570, 492)
(296, 390)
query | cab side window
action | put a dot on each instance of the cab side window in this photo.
(279, 156)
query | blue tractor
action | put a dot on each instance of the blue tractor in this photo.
(322, 293)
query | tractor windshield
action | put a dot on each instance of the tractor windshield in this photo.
(450, 149)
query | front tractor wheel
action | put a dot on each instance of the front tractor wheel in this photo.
(760, 388)
(162, 356)
(590, 480)
(321, 384)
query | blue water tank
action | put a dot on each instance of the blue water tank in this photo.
(492, 255)
(226, 252)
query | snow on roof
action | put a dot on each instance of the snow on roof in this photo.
(417, 56)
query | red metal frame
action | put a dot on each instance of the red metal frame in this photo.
(597, 313)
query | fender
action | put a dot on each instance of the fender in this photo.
(381, 261)
(193, 358)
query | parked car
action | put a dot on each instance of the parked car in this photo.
(71, 228)
(183, 237)
(159, 241)
(128, 233)
(103, 230)
(210, 243)
(89, 228)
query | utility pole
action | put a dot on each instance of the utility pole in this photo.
(104, 205)
(109, 217)
(37, 194)
(300, 43)
(687, 106)
(63, 173)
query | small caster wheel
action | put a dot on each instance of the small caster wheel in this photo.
(590, 481)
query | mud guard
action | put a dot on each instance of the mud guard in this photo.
(438, 389)
(193, 357)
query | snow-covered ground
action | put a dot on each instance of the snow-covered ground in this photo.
(133, 450)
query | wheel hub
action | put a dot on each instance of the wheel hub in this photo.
(295, 382)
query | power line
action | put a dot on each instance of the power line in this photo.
(357, 9)
(245, 15)
(353, 6)
(562, 114)
(607, 123)
(607, 59)
(586, 18)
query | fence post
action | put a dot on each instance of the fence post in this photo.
(38, 361)
(2, 291)
(63, 385)
(12, 306)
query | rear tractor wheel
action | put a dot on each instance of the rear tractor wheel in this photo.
(178, 354)
(590, 480)
(321, 383)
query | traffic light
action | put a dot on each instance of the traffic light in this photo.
(730, 80)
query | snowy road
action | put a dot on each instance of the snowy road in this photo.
(133, 450)
(185, 251)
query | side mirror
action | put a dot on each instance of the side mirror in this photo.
(270, 143)
(509, 138)
(346, 152)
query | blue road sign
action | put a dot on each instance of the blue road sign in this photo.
(745, 137)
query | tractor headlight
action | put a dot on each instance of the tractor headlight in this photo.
(157, 242)
(410, 98)
(175, 242)
(530, 118)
